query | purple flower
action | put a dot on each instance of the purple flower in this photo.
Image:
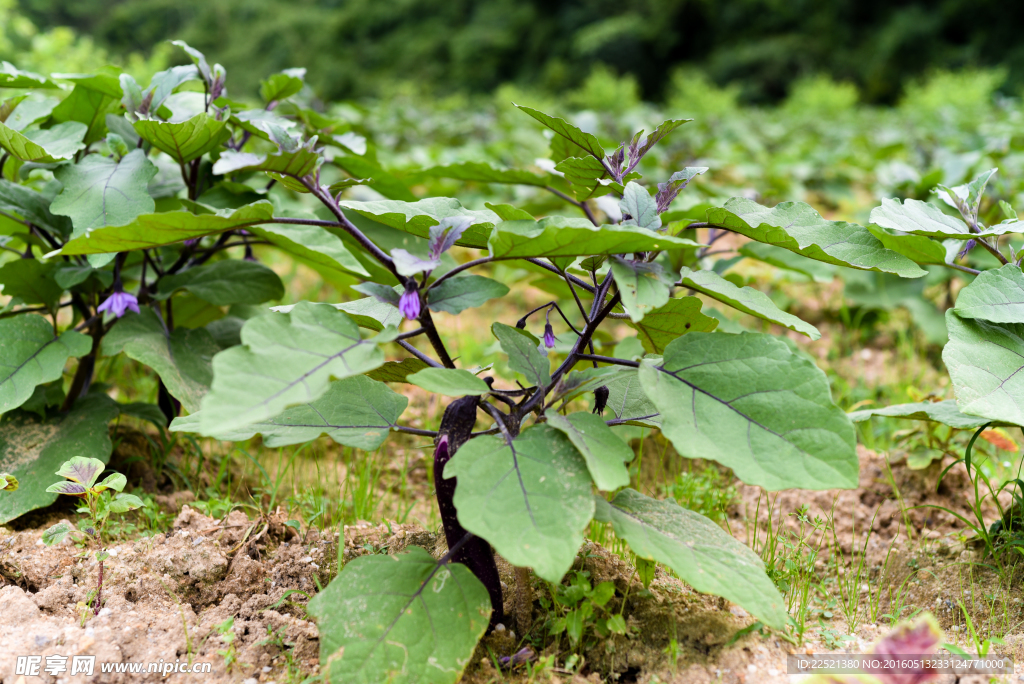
(967, 248)
(191, 242)
(409, 304)
(549, 336)
(119, 302)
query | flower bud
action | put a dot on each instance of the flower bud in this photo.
(409, 304)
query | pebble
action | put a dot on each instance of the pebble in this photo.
(307, 559)
(104, 612)
(751, 668)
(772, 672)
(42, 640)
(251, 680)
(266, 668)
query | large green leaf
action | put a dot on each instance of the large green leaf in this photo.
(628, 401)
(187, 140)
(986, 363)
(13, 77)
(585, 141)
(285, 359)
(745, 299)
(798, 228)
(99, 191)
(531, 500)
(606, 455)
(31, 281)
(397, 371)
(45, 146)
(944, 412)
(996, 295)
(778, 257)
(357, 412)
(921, 249)
(299, 163)
(30, 354)
(698, 551)
(643, 286)
(181, 359)
(454, 295)
(33, 450)
(666, 323)
(558, 236)
(223, 283)
(451, 382)
(480, 172)
(920, 218)
(88, 106)
(584, 175)
(155, 230)
(318, 248)
(755, 405)
(401, 619)
(417, 217)
(523, 355)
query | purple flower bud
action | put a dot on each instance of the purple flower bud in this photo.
(409, 304)
(119, 302)
(549, 336)
(967, 248)
(191, 242)
(249, 256)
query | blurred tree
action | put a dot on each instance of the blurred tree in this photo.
(355, 48)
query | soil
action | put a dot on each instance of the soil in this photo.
(163, 597)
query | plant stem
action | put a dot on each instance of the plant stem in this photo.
(418, 354)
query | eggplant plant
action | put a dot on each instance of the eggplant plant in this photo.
(129, 217)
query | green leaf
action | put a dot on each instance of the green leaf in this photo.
(30, 354)
(380, 180)
(985, 361)
(56, 533)
(666, 323)
(454, 295)
(606, 455)
(155, 230)
(81, 469)
(401, 619)
(397, 371)
(371, 313)
(584, 175)
(100, 192)
(314, 246)
(417, 217)
(32, 206)
(302, 162)
(643, 286)
(558, 236)
(480, 172)
(187, 140)
(13, 77)
(122, 503)
(745, 299)
(920, 218)
(115, 481)
(356, 412)
(451, 382)
(44, 146)
(639, 208)
(944, 412)
(797, 227)
(698, 551)
(88, 106)
(531, 500)
(523, 355)
(223, 283)
(284, 359)
(182, 359)
(996, 295)
(32, 449)
(919, 248)
(68, 488)
(32, 281)
(756, 405)
(586, 141)
(281, 86)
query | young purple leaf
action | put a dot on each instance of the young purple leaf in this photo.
(520, 657)
(445, 234)
(549, 336)
(409, 303)
(669, 190)
(920, 638)
(82, 470)
(67, 487)
(119, 302)
(409, 264)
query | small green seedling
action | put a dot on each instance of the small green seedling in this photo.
(98, 503)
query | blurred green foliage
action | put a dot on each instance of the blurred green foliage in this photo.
(358, 48)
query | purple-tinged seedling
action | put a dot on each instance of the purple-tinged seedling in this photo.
(81, 474)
